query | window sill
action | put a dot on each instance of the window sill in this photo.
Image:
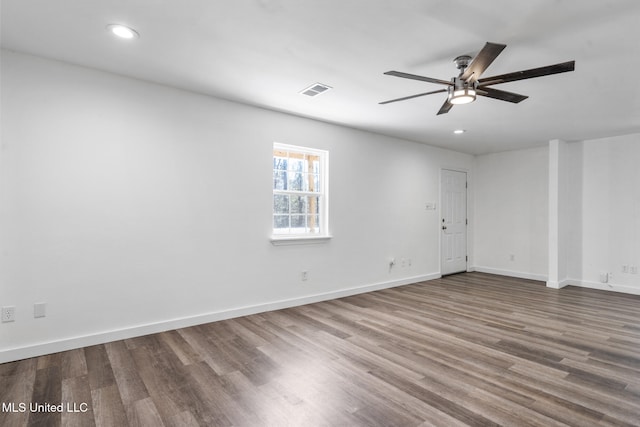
(299, 240)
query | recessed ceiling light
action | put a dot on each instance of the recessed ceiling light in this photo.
(122, 31)
(459, 131)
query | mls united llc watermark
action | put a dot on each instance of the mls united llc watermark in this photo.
(68, 407)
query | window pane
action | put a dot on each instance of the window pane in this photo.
(279, 180)
(313, 223)
(298, 204)
(296, 181)
(315, 179)
(313, 205)
(296, 165)
(298, 222)
(280, 204)
(279, 163)
(281, 221)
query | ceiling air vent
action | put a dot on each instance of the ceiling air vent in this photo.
(315, 89)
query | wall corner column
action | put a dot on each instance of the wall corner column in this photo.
(558, 186)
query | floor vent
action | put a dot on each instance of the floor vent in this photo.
(315, 89)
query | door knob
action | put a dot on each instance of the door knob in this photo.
(444, 227)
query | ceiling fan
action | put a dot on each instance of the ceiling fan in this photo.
(464, 88)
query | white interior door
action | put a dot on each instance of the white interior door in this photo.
(453, 207)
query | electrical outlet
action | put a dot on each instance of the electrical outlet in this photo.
(633, 269)
(625, 268)
(304, 276)
(8, 314)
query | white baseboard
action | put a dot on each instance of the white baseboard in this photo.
(562, 283)
(605, 286)
(65, 344)
(518, 274)
(559, 285)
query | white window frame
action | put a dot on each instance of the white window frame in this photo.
(323, 210)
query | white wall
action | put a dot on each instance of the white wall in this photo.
(130, 207)
(609, 183)
(573, 231)
(511, 213)
(594, 229)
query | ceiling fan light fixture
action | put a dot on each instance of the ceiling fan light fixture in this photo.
(463, 95)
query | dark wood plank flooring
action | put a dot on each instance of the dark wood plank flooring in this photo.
(469, 349)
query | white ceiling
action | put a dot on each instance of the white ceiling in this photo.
(263, 52)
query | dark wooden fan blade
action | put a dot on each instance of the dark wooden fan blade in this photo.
(415, 77)
(502, 95)
(445, 107)
(413, 96)
(529, 74)
(481, 62)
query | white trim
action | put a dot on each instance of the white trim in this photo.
(303, 239)
(552, 284)
(323, 194)
(40, 349)
(298, 148)
(559, 285)
(518, 274)
(612, 287)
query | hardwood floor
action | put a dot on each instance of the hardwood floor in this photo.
(468, 349)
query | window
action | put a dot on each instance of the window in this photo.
(299, 192)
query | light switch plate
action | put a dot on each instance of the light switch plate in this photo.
(39, 309)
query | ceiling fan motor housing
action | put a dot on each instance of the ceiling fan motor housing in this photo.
(462, 62)
(462, 91)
